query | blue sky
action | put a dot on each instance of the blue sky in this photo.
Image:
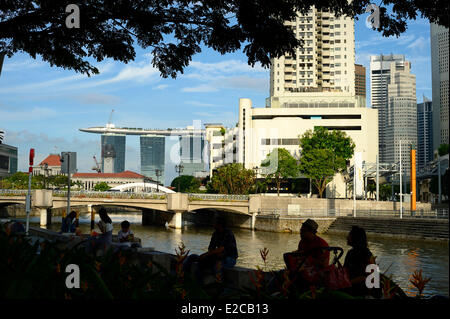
(43, 107)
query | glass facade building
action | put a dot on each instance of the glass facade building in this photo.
(153, 156)
(424, 133)
(113, 153)
(8, 160)
(191, 153)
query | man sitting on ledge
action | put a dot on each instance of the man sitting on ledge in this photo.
(222, 252)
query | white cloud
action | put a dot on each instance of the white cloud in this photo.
(420, 44)
(201, 104)
(97, 98)
(36, 113)
(200, 88)
(161, 87)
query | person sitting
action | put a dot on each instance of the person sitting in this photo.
(104, 240)
(309, 260)
(69, 223)
(222, 252)
(356, 261)
(125, 234)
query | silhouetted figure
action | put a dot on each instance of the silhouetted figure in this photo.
(309, 260)
(125, 234)
(69, 223)
(357, 260)
(103, 241)
(222, 252)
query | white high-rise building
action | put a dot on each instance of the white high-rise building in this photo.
(380, 77)
(323, 72)
(439, 75)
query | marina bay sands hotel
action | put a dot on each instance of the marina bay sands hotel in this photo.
(152, 149)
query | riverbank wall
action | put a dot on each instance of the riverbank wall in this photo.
(18, 210)
(407, 228)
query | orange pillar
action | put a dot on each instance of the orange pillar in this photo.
(413, 180)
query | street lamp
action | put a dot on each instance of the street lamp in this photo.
(44, 167)
(158, 174)
(179, 169)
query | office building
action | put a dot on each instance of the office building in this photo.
(400, 115)
(113, 152)
(153, 156)
(261, 130)
(360, 81)
(424, 133)
(192, 147)
(323, 72)
(439, 80)
(380, 72)
(8, 160)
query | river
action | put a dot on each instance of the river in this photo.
(396, 257)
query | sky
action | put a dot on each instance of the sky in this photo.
(42, 107)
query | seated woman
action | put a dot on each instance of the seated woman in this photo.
(69, 223)
(357, 260)
(103, 241)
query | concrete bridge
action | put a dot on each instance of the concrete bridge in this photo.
(155, 207)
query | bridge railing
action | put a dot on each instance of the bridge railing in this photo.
(324, 212)
(95, 194)
(13, 192)
(217, 197)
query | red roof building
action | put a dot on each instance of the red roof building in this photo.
(53, 167)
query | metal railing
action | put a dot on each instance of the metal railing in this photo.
(324, 213)
(89, 194)
(218, 197)
(13, 192)
(95, 194)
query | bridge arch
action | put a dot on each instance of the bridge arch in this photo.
(141, 186)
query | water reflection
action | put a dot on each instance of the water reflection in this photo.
(396, 257)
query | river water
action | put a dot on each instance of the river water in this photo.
(396, 257)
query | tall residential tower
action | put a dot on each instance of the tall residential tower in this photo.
(323, 72)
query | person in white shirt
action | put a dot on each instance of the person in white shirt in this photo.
(125, 234)
(104, 240)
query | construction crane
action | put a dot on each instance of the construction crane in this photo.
(110, 125)
(97, 166)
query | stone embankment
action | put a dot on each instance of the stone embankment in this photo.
(408, 228)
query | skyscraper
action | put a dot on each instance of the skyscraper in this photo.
(192, 149)
(380, 77)
(113, 153)
(153, 156)
(439, 75)
(323, 72)
(424, 133)
(400, 115)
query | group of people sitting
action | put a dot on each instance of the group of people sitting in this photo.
(308, 265)
(105, 237)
